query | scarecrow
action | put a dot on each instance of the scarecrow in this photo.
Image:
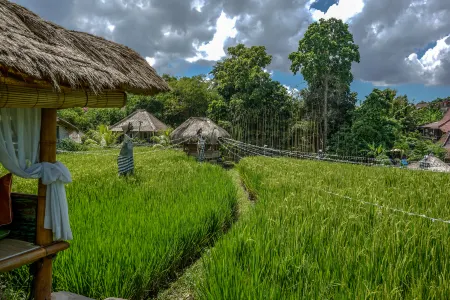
(125, 160)
(201, 145)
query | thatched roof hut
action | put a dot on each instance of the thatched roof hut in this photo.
(44, 67)
(144, 124)
(39, 52)
(66, 130)
(186, 133)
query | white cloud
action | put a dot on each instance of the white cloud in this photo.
(344, 10)
(197, 5)
(151, 60)
(225, 28)
(291, 91)
(430, 63)
(268, 71)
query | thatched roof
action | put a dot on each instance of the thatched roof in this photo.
(142, 118)
(188, 131)
(38, 51)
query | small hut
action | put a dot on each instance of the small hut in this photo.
(66, 130)
(44, 67)
(187, 134)
(145, 125)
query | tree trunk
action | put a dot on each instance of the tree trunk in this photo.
(325, 115)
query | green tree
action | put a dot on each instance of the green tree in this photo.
(189, 97)
(89, 118)
(427, 115)
(248, 93)
(243, 82)
(324, 57)
(373, 123)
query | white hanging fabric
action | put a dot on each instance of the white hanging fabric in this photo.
(19, 149)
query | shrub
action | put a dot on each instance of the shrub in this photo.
(70, 145)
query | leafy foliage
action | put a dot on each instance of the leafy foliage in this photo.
(243, 82)
(70, 145)
(90, 118)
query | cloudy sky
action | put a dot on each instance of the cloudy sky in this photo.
(404, 44)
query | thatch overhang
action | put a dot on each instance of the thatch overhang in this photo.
(188, 131)
(43, 56)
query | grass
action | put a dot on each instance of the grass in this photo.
(300, 242)
(185, 287)
(132, 235)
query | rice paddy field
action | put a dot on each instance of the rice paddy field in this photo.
(305, 230)
(132, 235)
(316, 232)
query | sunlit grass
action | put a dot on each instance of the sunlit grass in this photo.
(132, 234)
(301, 242)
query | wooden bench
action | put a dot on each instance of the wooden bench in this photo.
(18, 248)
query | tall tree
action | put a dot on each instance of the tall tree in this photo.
(247, 88)
(324, 57)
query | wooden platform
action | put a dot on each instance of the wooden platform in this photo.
(10, 248)
(16, 253)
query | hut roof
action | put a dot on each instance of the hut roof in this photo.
(188, 130)
(147, 122)
(36, 51)
(65, 124)
(443, 124)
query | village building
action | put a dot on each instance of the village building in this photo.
(66, 130)
(145, 125)
(187, 134)
(437, 131)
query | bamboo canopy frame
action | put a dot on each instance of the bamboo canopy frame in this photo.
(43, 65)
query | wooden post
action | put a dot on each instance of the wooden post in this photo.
(43, 277)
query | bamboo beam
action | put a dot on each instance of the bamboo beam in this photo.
(43, 277)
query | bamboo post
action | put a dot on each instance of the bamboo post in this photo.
(43, 276)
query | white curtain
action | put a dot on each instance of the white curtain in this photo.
(19, 154)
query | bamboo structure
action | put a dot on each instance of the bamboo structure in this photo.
(187, 134)
(45, 66)
(43, 279)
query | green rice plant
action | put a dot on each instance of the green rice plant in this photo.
(315, 233)
(133, 234)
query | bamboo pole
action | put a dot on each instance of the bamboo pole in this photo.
(43, 276)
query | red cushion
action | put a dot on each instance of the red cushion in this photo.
(5, 199)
